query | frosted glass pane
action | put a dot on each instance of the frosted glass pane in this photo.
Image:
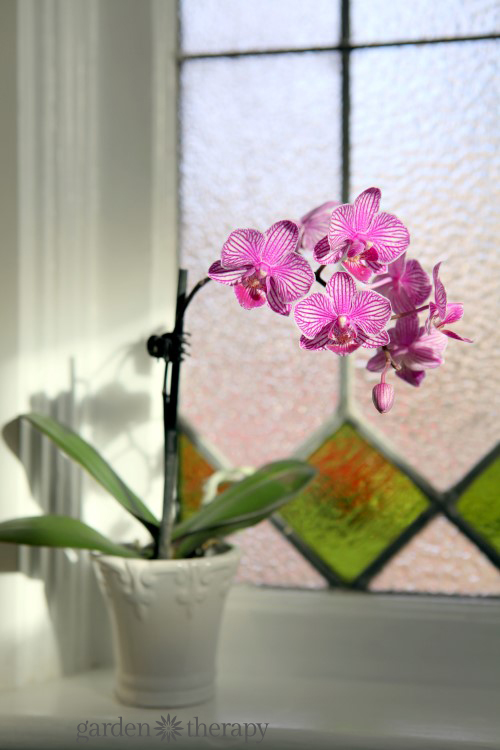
(260, 142)
(225, 25)
(425, 129)
(439, 560)
(269, 559)
(386, 20)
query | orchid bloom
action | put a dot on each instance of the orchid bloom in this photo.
(442, 312)
(411, 349)
(264, 267)
(343, 319)
(267, 268)
(363, 239)
(314, 225)
(406, 285)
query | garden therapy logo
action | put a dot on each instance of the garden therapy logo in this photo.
(171, 729)
(168, 728)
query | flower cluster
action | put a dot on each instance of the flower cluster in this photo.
(370, 247)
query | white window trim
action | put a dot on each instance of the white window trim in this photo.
(323, 669)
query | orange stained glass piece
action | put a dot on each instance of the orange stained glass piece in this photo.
(194, 470)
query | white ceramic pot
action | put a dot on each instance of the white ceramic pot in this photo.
(166, 616)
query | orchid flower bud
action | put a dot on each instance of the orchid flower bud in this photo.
(383, 397)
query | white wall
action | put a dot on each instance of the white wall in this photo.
(88, 271)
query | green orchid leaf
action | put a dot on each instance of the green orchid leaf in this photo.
(86, 455)
(59, 531)
(244, 504)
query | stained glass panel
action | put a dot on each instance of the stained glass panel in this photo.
(194, 470)
(236, 25)
(258, 146)
(424, 128)
(480, 504)
(383, 21)
(357, 505)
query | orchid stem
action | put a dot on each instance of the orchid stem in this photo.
(317, 274)
(389, 362)
(409, 312)
(170, 394)
(190, 296)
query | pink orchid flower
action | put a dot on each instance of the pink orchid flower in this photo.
(442, 312)
(406, 285)
(363, 239)
(314, 225)
(411, 349)
(343, 319)
(264, 267)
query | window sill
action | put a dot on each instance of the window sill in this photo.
(322, 669)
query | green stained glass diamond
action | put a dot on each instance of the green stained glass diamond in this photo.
(357, 505)
(480, 504)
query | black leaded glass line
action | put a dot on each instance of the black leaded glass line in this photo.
(458, 490)
(342, 47)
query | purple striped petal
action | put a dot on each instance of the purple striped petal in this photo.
(397, 267)
(373, 342)
(378, 268)
(230, 276)
(453, 335)
(249, 298)
(320, 213)
(366, 206)
(377, 362)
(242, 248)
(407, 330)
(315, 224)
(318, 343)
(435, 340)
(390, 237)
(274, 298)
(399, 299)
(439, 292)
(416, 282)
(324, 254)
(314, 314)
(358, 270)
(370, 311)
(422, 358)
(341, 289)
(280, 240)
(433, 314)
(293, 277)
(343, 349)
(341, 226)
(413, 377)
(454, 312)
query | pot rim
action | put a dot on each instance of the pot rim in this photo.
(231, 551)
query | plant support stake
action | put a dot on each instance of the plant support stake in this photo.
(170, 347)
